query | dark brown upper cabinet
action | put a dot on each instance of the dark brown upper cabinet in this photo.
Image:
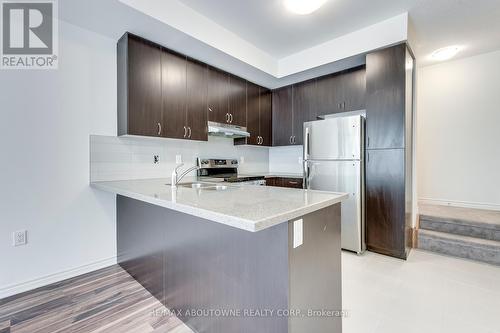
(385, 98)
(265, 117)
(237, 101)
(197, 112)
(282, 116)
(341, 92)
(305, 102)
(160, 93)
(139, 87)
(259, 116)
(253, 116)
(218, 95)
(184, 97)
(292, 106)
(174, 99)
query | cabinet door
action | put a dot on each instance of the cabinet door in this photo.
(385, 98)
(265, 117)
(237, 101)
(197, 112)
(354, 86)
(173, 94)
(330, 95)
(253, 122)
(144, 88)
(304, 106)
(385, 201)
(218, 102)
(282, 116)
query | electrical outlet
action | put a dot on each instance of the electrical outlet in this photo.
(19, 238)
(178, 159)
(156, 159)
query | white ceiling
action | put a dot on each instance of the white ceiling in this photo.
(474, 24)
(254, 38)
(267, 25)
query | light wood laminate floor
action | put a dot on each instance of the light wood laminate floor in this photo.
(108, 300)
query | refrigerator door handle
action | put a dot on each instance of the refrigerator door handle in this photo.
(306, 143)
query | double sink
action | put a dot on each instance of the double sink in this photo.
(204, 186)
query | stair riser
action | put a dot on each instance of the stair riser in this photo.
(460, 229)
(485, 254)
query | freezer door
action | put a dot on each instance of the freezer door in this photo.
(333, 139)
(342, 176)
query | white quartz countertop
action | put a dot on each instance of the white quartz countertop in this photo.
(248, 207)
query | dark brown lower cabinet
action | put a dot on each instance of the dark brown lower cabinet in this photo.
(386, 225)
(285, 182)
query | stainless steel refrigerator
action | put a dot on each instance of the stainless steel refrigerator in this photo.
(334, 161)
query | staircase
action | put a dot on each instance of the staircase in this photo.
(460, 232)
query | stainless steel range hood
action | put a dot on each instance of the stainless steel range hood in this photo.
(227, 131)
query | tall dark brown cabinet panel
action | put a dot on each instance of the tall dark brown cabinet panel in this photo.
(237, 101)
(385, 204)
(174, 83)
(385, 97)
(253, 110)
(265, 117)
(305, 104)
(282, 116)
(389, 104)
(218, 101)
(197, 112)
(139, 87)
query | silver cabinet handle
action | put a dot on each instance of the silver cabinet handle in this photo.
(291, 139)
(210, 109)
(189, 136)
(185, 131)
(159, 129)
(227, 117)
(293, 183)
(231, 118)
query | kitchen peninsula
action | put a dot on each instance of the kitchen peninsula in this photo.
(209, 247)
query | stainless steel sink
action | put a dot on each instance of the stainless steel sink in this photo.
(204, 186)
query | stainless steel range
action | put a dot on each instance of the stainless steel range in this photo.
(226, 170)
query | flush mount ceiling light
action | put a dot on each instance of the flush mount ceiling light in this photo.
(445, 53)
(303, 7)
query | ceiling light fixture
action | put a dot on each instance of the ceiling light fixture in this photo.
(303, 7)
(445, 53)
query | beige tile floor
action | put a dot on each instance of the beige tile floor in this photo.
(428, 293)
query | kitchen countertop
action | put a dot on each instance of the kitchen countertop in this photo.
(248, 207)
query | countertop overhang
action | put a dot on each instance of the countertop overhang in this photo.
(248, 207)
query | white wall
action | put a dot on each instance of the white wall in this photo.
(458, 132)
(47, 117)
(114, 158)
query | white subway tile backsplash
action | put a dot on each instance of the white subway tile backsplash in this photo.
(117, 158)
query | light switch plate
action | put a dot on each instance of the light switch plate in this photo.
(298, 234)
(178, 159)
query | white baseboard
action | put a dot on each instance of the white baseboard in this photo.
(462, 204)
(56, 277)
